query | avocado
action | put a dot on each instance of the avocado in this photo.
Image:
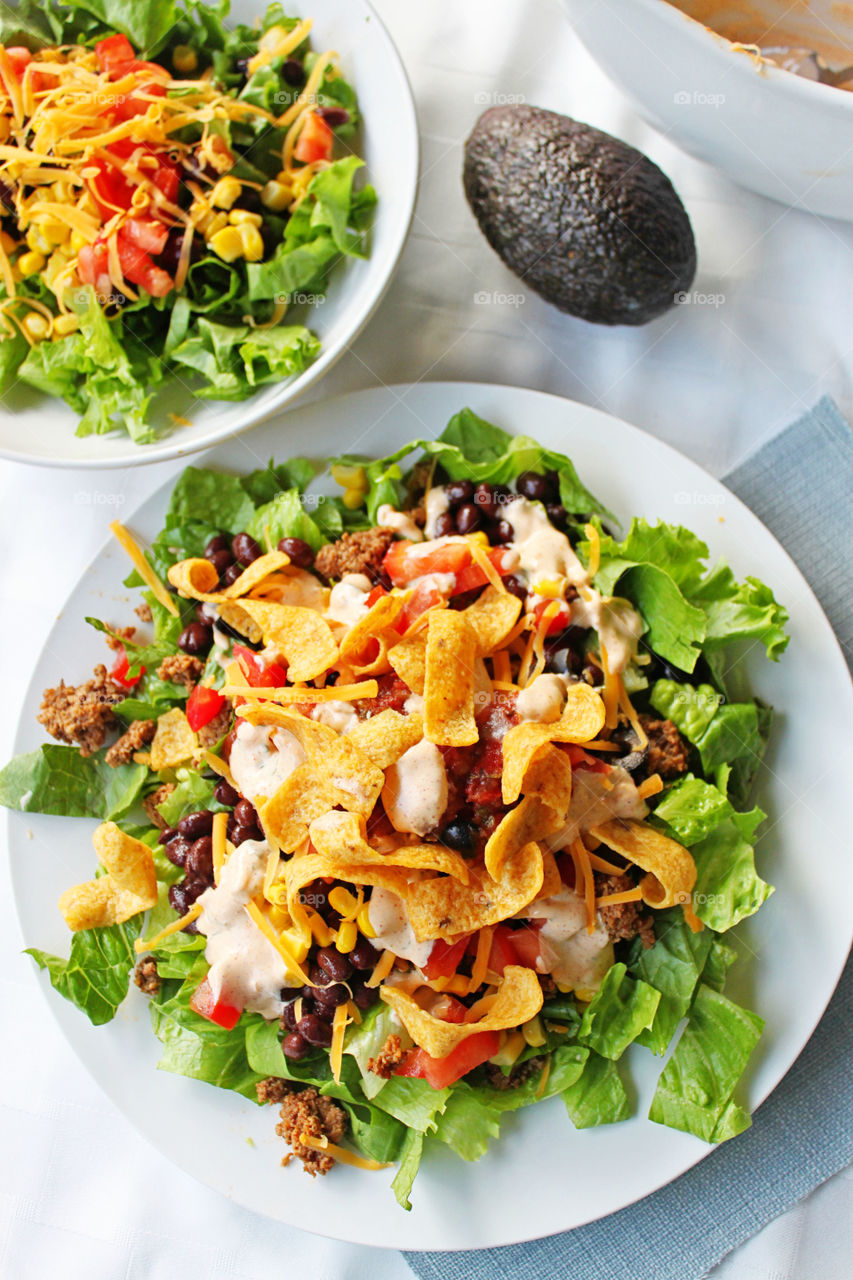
(587, 221)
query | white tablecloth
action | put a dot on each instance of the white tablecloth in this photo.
(82, 1194)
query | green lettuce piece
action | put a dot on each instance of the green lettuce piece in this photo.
(720, 959)
(265, 483)
(692, 808)
(14, 347)
(724, 733)
(146, 25)
(728, 888)
(565, 1066)
(667, 546)
(58, 780)
(598, 1095)
(673, 966)
(741, 611)
(202, 494)
(289, 516)
(676, 628)
(193, 792)
(412, 1101)
(694, 1092)
(96, 974)
(234, 359)
(195, 1047)
(27, 23)
(620, 1009)
(365, 1040)
(468, 1122)
(410, 1159)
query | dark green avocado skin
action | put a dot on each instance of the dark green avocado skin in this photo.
(587, 221)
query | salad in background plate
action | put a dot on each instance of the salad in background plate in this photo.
(435, 796)
(170, 186)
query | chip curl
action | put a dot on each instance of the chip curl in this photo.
(449, 680)
(518, 999)
(408, 659)
(444, 908)
(350, 776)
(492, 617)
(375, 628)
(581, 720)
(387, 736)
(671, 871)
(197, 579)
(286, 816)
(532, 819)
(129, 887)
(174, 742)
(341, 838)
(301, 636)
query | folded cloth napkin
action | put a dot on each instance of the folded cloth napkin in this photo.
(800, 486)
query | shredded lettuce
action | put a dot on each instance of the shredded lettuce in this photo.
(96, 975)
(620, 1009)
(598, 1095)
(58, 780)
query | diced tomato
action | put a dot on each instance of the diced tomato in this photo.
(449, 1009)
(503, 951)
(120, 672)
(444, 957)
(583, 760)
(147, 234)
(114, 53)
(92, 262)
(441, 1072)
(202, 705)
(426, 595)
(561, 618)
(260, 674)
(315, 142)
(168, 179)
(472, 576)
(19, 57)
(376, 594)
(221, 1010)
(137, 267)
(405, 560)
(109, 189)
(525, 944)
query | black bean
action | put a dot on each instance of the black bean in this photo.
(532, 485)
(459, 835)
(288, 1016)
(563, 661)
(557, 514)
(468, 518)
(231, 574)
(221, 560)
(334, 964)
(492, 532)
(506, 533)
(459, 491)
(445, 524)
(484, 497)
(363, 955)
(193, 825)
(245, 549)
(363, 997)
(293, 72)
(314, 1030)
(334, 116)
(315, 895)
(553, 481)
(592, 673)
(515, 587)
(225, 793)
(245, 814)
(202, 616)
(196, 638)
(289, 993)
(240, 834)
(199, 861)
(294, 1046)
(250, 201)
(170, 833)
(176, 851)
(183, 895)
(300, 552)
(328, 998)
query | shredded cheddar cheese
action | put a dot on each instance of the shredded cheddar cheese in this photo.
(143, 568)
(148, 944)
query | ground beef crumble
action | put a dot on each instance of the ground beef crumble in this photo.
(517, 1076)
(667, 754)
(181, 668)
(387, 1058)
(143, 611)
(310, 1113)
(210, 733)
(146, 977)
(273, 1089)
(361, 552)
(81, 714)
(116, 638)
(133, 739)
(624, 920)
(156, 798)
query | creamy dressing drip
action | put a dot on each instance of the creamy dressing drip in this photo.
(348, 599)
(437, 502)
(338, 715)
(388, 517)
(387, 914)
(415, 793)
(299, 588)
(261, 760)
(596, 798)
(245, 967)
(543, 700)
(567, 951)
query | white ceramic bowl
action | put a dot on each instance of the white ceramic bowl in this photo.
(38, 429)
(768, 129)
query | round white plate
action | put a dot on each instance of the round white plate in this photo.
(542, 1175)
(40, 429)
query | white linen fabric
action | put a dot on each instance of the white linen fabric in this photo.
(765, 334)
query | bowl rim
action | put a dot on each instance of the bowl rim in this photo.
(787, 81)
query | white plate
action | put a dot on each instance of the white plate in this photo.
(40, 429)
(542, 1175)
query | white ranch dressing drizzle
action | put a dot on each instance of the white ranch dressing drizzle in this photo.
(596, 798)
(348, 599)
(437, 502)
(543, 700)
(415, 792)
(339, 715)
(388, 517)
(387, 914)
(414, 703)
(444, 583)
(567, 951)
(244, 965)
(261, 760)
(298, 587)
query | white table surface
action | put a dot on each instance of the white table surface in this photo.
(82, 1195)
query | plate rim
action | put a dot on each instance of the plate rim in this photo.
(394, 395)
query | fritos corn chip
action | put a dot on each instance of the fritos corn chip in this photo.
(350, 776)
(408, 659)
(196, 579)
(365, 646)
(671, 869)
(492, 616)
(549, 776)
(130, 885)
(301, 636)
(300, 799)
(582, 718)
(518, 999)
(531, 819)
(341, 839)
(173, 743)
(449, 680)
(444, 908)
(305, 867)
(384, 738)
(551, 881)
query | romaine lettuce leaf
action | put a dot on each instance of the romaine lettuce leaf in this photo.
(96, 974)
(193, 1046)
(192, 792)
(365, 1040)
(468, 1122)
(201, 494)
(289, 516)
(728, 888)
(741, 611)
(410, 1159)
(598, 1095)
(234, 359)
(673, 966)
(620, 1009)
(56, 779)
(694, 1092)
(722, 732)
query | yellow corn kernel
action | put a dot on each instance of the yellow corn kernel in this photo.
(565, 988)
(276, 196)
(215, 222)
(363, 921)
(63, 190)
(295, 943)
(8, 244)
(510, 1050)
(37, 241)
(244, 217)
(481, 539)
(271, 39)
(77, 241)
(342, 901)
(30, 264)
(279, 918)
(347, 937)
(56, 264)
(585, 994)
(552, 588)
(533, 1033)
(226, 191)
(36, 325)
(320, 931)
(65, 324)
(184, 58)
(350, 476)
(353, 498)
(54, 231)
(227, 243)
(253, 243)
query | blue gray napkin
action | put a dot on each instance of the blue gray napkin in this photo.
(801, 486)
